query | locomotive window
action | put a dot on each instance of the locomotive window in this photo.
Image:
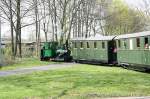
(103, 45)
(119, 43)
(81, 44)
(95, 44)
(87, 43)
(138, 42)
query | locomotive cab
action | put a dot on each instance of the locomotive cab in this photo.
(48, 50)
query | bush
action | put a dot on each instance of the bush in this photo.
(7, 56)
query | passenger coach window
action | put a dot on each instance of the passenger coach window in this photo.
(131, 44)
(119, 43)
(81, 44)
(75, 45)
(125, 43)
(146, 40)
(95, 44)
(87, 43)
(103, 45)
(146, 45)
(138, 42)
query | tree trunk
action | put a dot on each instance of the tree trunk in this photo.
(18, 31)
(11, 26)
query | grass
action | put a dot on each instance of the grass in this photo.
(78, 82)
(25, 62)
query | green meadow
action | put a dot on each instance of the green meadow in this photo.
(77, 82)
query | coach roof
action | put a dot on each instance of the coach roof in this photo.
(97, 37)
(134, 35)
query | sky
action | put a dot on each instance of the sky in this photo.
(26, 31)
(134, 3)
(138, 3)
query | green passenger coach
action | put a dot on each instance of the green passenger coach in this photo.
(94, 49)
(125, 50)
(134, 49)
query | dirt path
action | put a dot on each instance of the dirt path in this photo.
(34, 69)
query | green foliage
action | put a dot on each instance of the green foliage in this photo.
(124, 19)
(79, 82)
(28, 51)
(7, 55)
(8, 59)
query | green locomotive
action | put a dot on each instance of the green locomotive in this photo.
(49, 50)
(52, 51)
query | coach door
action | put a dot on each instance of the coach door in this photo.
(112, 52)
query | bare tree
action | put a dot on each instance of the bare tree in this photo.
(14, 13)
